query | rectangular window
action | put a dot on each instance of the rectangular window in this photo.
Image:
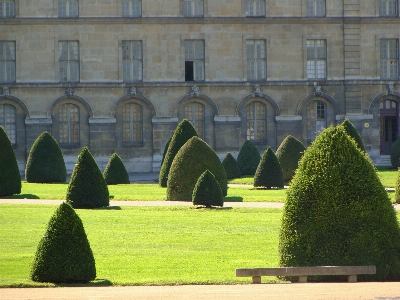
(132, 127)
(7, 61)
(68, 9)
(68, 55)
(255, 8)
(316, 59)
(132, 8)
(389, 58)
(7, 8)
(315, 8)
(8, 121)
(193, 8)
(194, 60)
(132, 60)
(256, 60)
(388, 8)
(69, 124)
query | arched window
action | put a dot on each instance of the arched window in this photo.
(316, 118)
(132, 119)
(69, 124)
(8, 121)
(194, 112)
(256, 121)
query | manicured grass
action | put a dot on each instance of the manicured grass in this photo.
(141, 245)
(388, 176)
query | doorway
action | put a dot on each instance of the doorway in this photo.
(389, 125)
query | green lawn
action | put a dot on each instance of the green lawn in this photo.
(141, 245)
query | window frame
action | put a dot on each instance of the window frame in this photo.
(386, 59)
(253, 116)
(194, 61)
(193, 13)
(69, 125)
(253, 60)
(131, 124)
(132, 61)
(8, 62)
(191, 112)
(314, 59)
(5, 11)
(387, 8)
(69, 13)
(68, 62)
(312, 9)
(7, 124)
(254, 11)
(131, 9)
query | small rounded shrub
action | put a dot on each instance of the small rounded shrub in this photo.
(87, 187)
(64, 253)
(337, 213)
(231, 166)
(192, 160)
(353, 133)
(115, 171)
(45, 161)
(289, 153)
(207, 191)
(248, 159)
(269, 172)
(10, 178)
(395, 154)
(183, 132)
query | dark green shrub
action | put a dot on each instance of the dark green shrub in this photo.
(352, 132)
(165, 150)
(397, 189)
(231, 166)
(289, 153)
(64, 253)
(87, 187)
(45, 161)
(337, 213)
(207, 191)
(192, 160)
(115, 171)
(183, 132)
(269, 172)
(248, 159)
(395, 154)
(10, 179)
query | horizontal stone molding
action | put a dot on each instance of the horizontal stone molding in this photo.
(226, 119)
(102, 120)
(288, 118)
(355, 117)
(32, 121)
(164, 120)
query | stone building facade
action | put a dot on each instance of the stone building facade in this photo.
(118, 76)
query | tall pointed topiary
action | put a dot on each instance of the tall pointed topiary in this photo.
(87, 187)
(231, 166)
(395, 154)
(289, 153)
(352, 132)
(192, 160)
(269, 172)
(115, 171)
(10, 179)
(64, 253)
(337, 213)
(248, 159)
(207, 191)
(183, 132)
(397, 188)
(45, 161)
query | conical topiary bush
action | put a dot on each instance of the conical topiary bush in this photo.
(87, 187)
(115, 171)
(183, 132)
(231, 166)
(248, 159)
(289, 153)
(337, 213)
(45, 161)
(192, 160)
(395, 154)
(397, 188)
(10, 178)
(269, 172)
(352, 132)
(207, 191)
(64, 253)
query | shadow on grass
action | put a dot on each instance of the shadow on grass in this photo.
(96, 282)
(109, 208)
(21, 196)
(214, 207)
(111, 197)
(233, 199)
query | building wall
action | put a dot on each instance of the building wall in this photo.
(352, 88)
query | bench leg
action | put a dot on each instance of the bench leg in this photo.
(302, 279)
(256, 279)
(352, 278)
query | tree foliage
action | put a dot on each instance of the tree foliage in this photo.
(207, 191)
(353, 133)
(192, 160)
(338, 213)
(45, 161)
(269, 172)
(64, 253)
(183, 132)
(395, 154)
(289, 153)
(87, 187)
(231, 166)
(10, 178)
(115, 171)
(248, 159)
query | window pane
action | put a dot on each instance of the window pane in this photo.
(198, 8)
(125, 8)
(73, 51)
(10, 50)
(9, 11)
(74, 71)
(62, 8)
(63, 50)
(137, 50)
(136, 8)
(199, 70)
(73, 9)
(199, 50)
(189, 53)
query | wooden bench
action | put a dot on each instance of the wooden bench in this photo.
(303, 272)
